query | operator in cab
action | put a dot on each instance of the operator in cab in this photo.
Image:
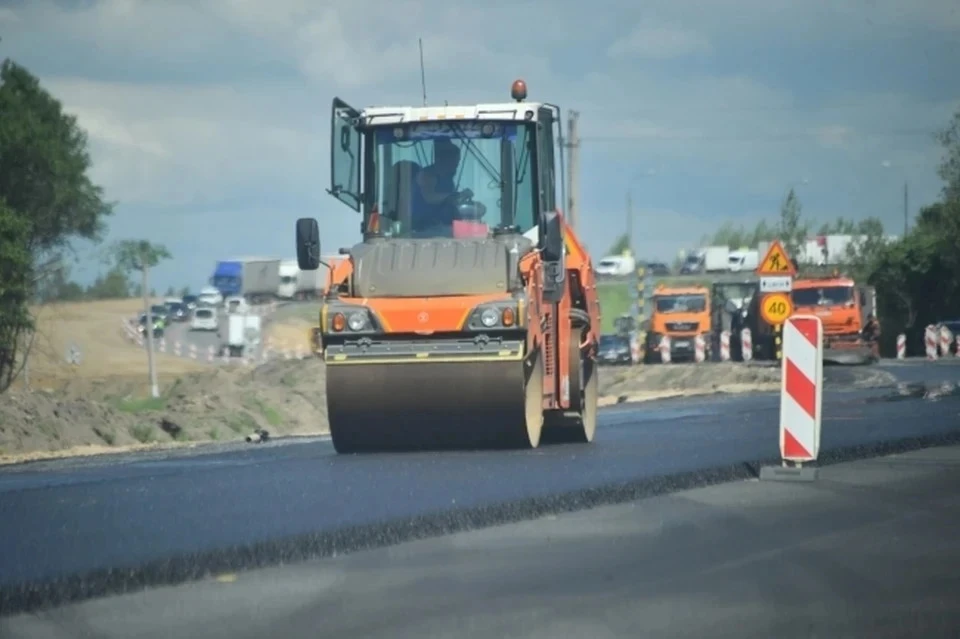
(436, 195)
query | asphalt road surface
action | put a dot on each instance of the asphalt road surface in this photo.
(869, 550)
(72, 517)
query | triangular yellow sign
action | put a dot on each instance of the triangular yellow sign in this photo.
(776, 261)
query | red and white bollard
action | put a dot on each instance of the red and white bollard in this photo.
(946, 339)
(699, 349)
(725, 346)
(746, 344)
(193, 351)
(930, 342)
(162, 346)
(634, 349)
(901, 346)
(801, 397)
(211, 354)
(177, 349)
(665, 349)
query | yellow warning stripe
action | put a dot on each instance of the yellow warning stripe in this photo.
(424, 358)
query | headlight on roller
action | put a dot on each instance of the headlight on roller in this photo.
(357, 321)
(489, 317)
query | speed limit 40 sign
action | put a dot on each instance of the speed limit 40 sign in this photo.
(776, 308)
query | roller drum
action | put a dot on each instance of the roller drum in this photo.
(430, 405)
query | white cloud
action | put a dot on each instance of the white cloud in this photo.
(178, 145)
(658, 42)
(201, 106)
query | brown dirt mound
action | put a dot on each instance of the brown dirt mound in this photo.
(640, 383)
(283, 397)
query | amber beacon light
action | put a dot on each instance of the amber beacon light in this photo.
(519, 90)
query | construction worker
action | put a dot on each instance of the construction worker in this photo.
(871, 329)
(435, 199)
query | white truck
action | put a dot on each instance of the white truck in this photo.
(299, 285)
(254, 278)
(242, 335)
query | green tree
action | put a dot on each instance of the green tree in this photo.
(918, 278)
(949, 169)
(114, 285)
(140, 256)
(735, 237)
(171, 292)
(621, 244)
(48, 198)
(15, 273)
(792, 230)
(184, 291)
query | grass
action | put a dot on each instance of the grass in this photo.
(615, 300)
(136, 405)
(143, 433)
(242, 422)
(268, 412)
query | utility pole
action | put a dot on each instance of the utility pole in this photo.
(148, 329)
(906, 209)
(573, 168)
(630, 222)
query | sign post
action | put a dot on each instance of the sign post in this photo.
(776, 272)
(801, 400)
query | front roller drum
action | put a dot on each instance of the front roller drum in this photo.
(435, 405)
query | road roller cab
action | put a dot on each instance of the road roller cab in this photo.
(466, 315)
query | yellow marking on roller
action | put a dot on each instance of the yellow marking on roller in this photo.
(463, 320)
(226, 578)
(521, 318)
(502, 356)
(323, 318)
(421, 355)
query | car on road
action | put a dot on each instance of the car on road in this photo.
(614, 349)
(658, 268)
(177, 312)
(210, 296)
(190, 301)
(204, 319)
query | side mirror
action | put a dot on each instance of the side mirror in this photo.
(552, 237)
(308, 244)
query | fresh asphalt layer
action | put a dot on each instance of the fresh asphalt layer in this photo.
(76, 529)
(868, 550)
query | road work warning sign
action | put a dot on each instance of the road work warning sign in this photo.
(776, 261)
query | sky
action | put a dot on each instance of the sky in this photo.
(208, 120)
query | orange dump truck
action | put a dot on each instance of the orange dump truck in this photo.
(467, 315)
(844, 308)
(680, 313)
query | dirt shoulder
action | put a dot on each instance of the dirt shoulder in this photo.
(644, 383)
(222, 403)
